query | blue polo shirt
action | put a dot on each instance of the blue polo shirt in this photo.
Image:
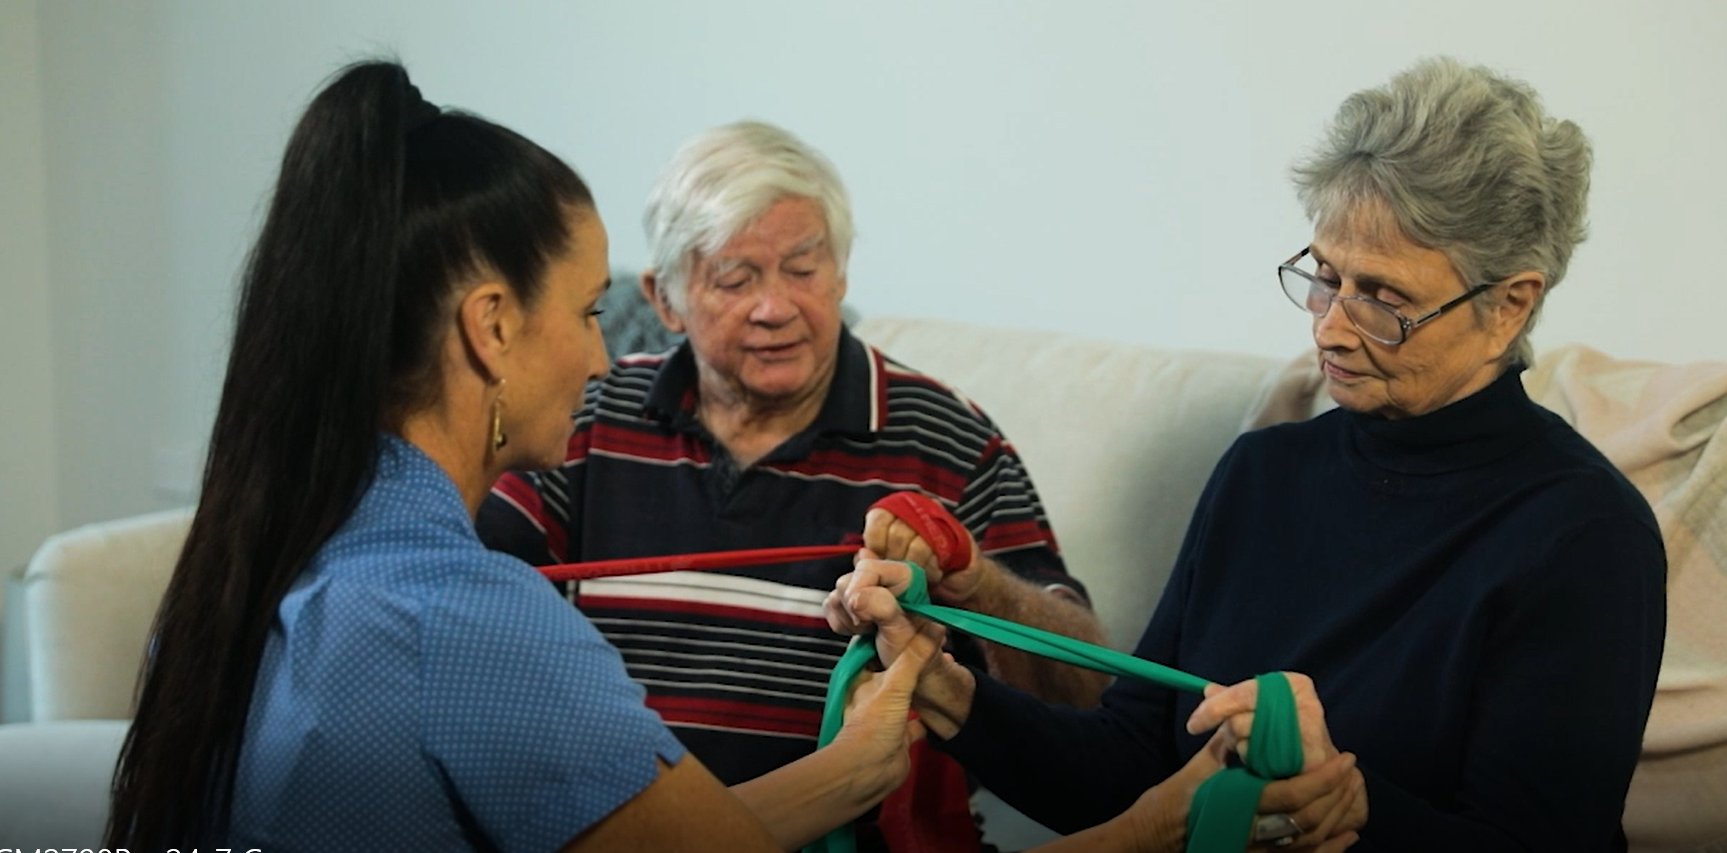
(419, 692)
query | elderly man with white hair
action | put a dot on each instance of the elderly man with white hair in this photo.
(772, 426)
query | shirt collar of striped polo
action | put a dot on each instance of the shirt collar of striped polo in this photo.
(854, 405)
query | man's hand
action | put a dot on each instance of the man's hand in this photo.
(888, 537)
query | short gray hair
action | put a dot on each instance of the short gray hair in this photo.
(1469, 163)
(724, 179)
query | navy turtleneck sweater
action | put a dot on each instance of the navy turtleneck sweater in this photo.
(1477, 594)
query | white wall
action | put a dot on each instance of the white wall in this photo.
(1115, 169)
(28, 503)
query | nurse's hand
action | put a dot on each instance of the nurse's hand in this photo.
(867, 599)
(1319, 801)
(879, 729)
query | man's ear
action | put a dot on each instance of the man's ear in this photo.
(655, 295)
(489, 318)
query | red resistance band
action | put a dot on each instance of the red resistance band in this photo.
(950, 542)
(946, 537)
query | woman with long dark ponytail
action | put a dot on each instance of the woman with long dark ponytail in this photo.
(338, 664)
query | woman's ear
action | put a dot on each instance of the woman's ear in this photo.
(1522, 293)
(655, 294)
(1520, 297)
(489, 318)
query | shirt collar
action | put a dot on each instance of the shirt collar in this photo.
(856, 402)
(1484, 427)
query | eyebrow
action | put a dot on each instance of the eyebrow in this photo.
(1367, 279)
(721, 267)
(807, 246)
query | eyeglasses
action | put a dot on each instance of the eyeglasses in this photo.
(1371, 317)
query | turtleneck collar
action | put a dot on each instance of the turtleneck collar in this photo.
(1484, 427)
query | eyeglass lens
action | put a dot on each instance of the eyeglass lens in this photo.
(1311, 293)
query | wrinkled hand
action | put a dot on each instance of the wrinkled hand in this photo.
(888, 537)
(1159, 816)
(878, 727)
(866, 599)
(1328, 802)
(1232, 708)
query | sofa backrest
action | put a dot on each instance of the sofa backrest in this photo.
(1119, 438)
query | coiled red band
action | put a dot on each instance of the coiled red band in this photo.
(945, 535)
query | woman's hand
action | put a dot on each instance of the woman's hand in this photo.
(801, 801)
(1327, 803)
(1157, 822)
(1232, 707)
(879, 728)
(867, 598)
(1159, 817)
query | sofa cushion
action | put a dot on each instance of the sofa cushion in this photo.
(54, 788)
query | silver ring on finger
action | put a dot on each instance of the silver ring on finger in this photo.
(1280, 829)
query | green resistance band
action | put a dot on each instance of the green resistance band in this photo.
(1220, 819)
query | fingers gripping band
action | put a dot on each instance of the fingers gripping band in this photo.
(945, 535)
(1220, 818)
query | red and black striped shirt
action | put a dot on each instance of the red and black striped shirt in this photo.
(736, 662)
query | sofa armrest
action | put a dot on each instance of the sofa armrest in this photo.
(91, 595)
(14, 684)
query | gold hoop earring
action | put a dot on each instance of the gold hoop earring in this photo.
(499, 439)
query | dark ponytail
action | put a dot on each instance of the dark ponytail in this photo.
(383, 207)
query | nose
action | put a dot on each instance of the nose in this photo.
(598, 360)
(1333, 329)
(774, 306)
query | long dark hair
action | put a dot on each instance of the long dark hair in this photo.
(384, 205)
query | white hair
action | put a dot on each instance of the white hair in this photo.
(1468, 163)
(724, 179)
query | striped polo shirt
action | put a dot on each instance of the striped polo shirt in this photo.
(736, 662)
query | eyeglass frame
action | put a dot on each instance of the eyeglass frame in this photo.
(1404, 324)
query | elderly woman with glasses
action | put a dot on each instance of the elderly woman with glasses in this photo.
(1473, 592)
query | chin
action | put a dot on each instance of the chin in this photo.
(1350, 402)
(539, 455)
(779, 384)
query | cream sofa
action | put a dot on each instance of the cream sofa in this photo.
(1120, 439)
